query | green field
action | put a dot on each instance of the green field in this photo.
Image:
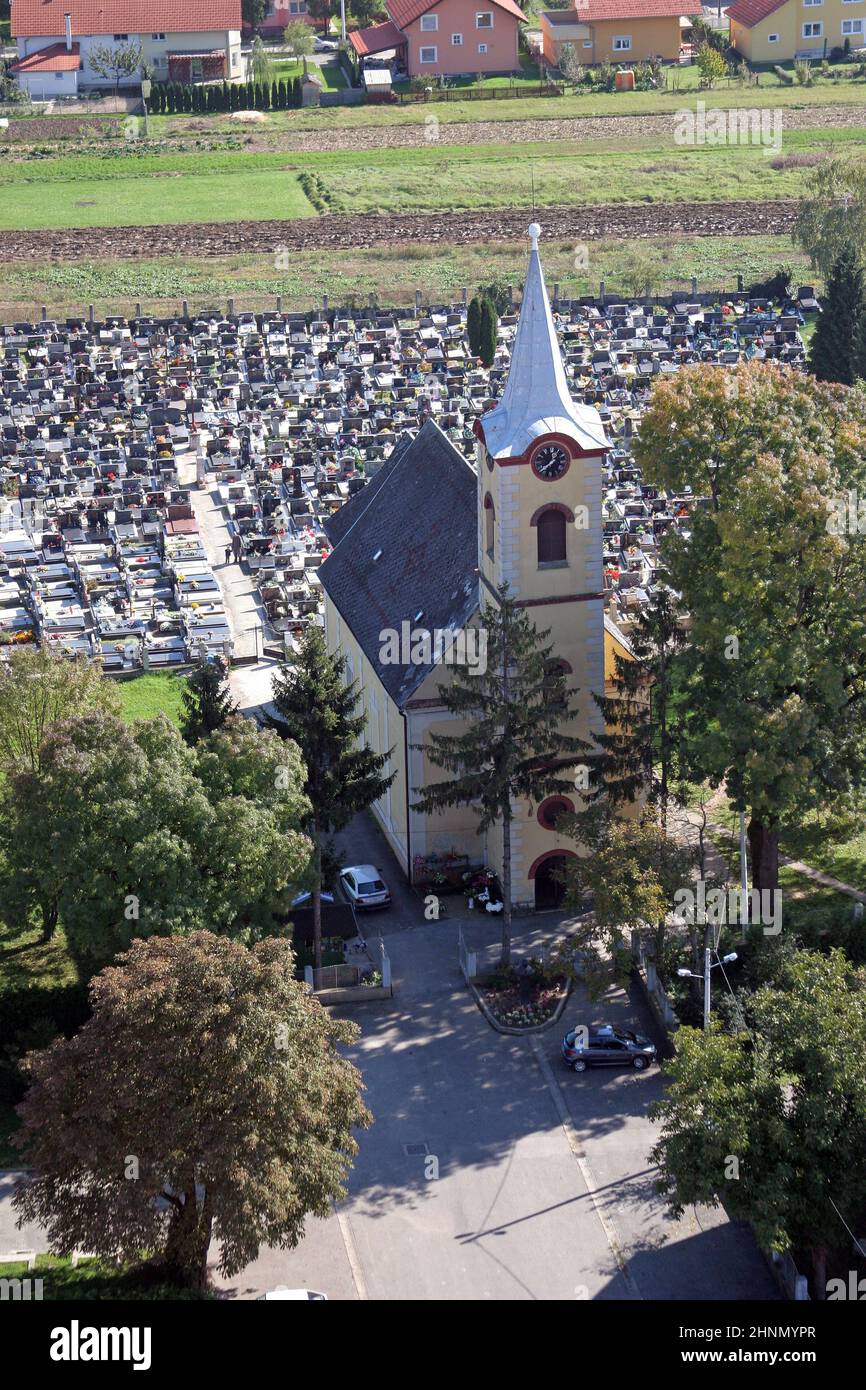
(148, 189)
(393, 273)
(150, 695)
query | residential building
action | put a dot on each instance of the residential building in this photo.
(428, 543)
(446, 37)
(777, 31)
(618, 31)
(181, 40)
(280, 13)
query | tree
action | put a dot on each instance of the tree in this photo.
(321, 10)
(642, 735)
(775, 1124)
(487, 331)
(207, 702)
(115, 60)
(570, 65)
(298, 38)
(204, 1100)
(316, 709)
(260, 65)
(833, 215)
(473, 325)
(834, 342)
(254, 11)
(711, 65)
(365, 11)
(632, 871)
(124, 831)
(513, 744)
(774, 674)
(37, 689)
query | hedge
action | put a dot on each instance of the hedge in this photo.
(169, 98)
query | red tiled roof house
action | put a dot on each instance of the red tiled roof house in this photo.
(182, 40)
(776, 31)
(617, 31)
(446, 37)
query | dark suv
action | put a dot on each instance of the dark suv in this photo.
(608, 1047)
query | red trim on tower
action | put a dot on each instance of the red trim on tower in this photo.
(551, 507)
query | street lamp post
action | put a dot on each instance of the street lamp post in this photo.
(708, 966)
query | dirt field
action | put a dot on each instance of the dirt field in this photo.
(353, 231)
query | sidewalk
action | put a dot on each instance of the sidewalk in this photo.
(816, 875)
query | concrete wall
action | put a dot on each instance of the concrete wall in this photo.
(455, 17)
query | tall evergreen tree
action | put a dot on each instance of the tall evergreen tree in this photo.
(316, 708)
(473, 326)
(640, 745)
(207, 702)
(832, 352)
(487, 332)
(513, 745)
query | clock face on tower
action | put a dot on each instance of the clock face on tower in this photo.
(550, 462)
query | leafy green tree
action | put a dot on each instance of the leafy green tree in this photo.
(298, 38)
(115, 60)
(711, 65)
(364, 12)
(316, 708)
(832, 216)
(321, 10)
(774, 674)
(205, 1100)
(254, 11)
(775, 1124)
(207, 702)
(513, 744)
(124, 831)
(487, 332)
(37, 689)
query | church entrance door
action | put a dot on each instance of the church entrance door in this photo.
(549, 887)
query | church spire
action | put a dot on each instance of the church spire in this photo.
(536, 400)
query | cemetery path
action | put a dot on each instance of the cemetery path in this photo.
(749, 217)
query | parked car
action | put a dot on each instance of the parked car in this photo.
(325, 46)
(300, 1295)
(608, 1047)
(363, 886)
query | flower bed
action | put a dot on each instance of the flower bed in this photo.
(512, 1010)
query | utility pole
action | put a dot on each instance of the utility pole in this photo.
(744, 866)
(343, 19)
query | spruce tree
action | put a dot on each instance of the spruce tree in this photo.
(832, 352)
(487, 332)
(316, 708)
(473, 326)
(514, 745)
(207, 702)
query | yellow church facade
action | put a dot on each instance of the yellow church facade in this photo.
(425, 547)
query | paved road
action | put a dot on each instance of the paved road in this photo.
(491, 1173)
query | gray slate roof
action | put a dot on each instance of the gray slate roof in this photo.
(423, 518)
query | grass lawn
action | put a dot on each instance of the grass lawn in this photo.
(392, 273)
(91, 1279)
(146, 696)
(88, 191)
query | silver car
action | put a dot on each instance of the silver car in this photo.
(363, 886)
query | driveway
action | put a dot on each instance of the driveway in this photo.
(491, 1172)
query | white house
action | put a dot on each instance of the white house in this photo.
(181, 40)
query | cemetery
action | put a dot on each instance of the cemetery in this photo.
(111, 431)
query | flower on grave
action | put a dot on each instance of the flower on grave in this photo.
(494, 907)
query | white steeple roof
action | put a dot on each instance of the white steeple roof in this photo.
(536, 399)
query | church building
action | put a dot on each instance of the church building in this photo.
(421, 551)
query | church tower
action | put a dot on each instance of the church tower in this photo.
(539, 458)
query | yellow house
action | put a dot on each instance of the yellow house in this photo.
(777, 31)
(418, 557)
(617, 31)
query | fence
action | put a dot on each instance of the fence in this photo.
(543, 89)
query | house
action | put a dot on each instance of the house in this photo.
(617, 31)
(280, 13)
(777, 31)
(446, 37)
(181, 40)
(419, 556)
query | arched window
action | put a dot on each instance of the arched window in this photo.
(551, 536)
(489, 527)
(552, 808)
(556, 675)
